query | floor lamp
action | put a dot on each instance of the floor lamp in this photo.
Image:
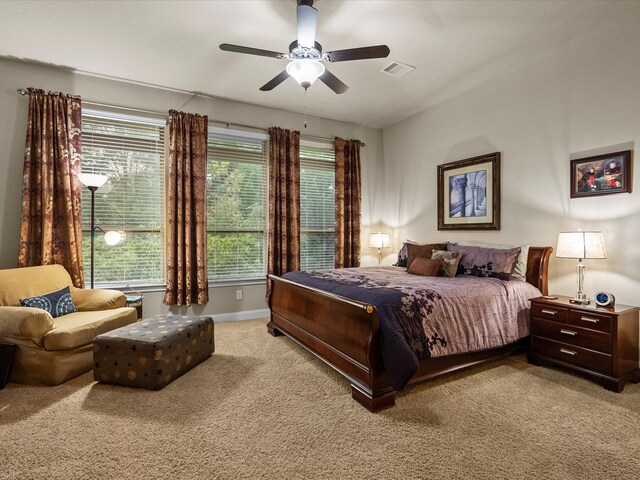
(92, 181)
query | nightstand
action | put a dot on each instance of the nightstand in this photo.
(599, 343)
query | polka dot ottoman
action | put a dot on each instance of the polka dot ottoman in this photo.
(152, 352)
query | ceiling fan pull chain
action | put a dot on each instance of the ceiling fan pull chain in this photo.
(305, 110)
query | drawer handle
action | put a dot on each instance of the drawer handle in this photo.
(568, 352)
(549, 312)
(569, 332)
(592, 320)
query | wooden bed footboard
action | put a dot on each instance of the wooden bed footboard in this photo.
(341, 332)
(344, 333)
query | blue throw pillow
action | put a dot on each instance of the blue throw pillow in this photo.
(56, 303)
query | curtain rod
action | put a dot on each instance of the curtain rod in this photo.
(22, 91)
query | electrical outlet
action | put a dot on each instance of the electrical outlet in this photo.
(238, 294)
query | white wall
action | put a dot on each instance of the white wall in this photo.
(16, 74)
(583, 99)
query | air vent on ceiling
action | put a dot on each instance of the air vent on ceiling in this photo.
(397, 69)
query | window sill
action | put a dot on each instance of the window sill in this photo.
(162, 288)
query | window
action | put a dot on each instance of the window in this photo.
(236, 191)
(130, 151)
(317, 205)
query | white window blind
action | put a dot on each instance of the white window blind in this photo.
(317, 207)
(236, 202)
(130, 151)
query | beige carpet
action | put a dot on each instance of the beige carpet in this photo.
(263, 408)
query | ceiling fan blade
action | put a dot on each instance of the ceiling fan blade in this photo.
(227, 47)
(275, 81)
(376, 51)
(333, 82)
(307, 17)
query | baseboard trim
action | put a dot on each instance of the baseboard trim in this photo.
(236, 316)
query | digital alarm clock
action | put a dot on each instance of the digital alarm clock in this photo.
(605, 299)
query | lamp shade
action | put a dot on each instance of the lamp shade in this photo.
(379, 240)
(581, 245)
(92, 179)
(305, 71)
(113, 237)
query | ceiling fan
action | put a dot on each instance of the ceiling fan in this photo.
(306, 57)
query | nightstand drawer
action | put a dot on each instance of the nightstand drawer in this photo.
(595, 321)
(580, 357)
(580, 337)
(549, 312)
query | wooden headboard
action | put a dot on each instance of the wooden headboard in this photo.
(538, 268)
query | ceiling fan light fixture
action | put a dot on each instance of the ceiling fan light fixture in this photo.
(305, 71)
(305, 54)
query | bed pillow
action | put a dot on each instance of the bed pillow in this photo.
(55, 303)
(520, 270)
(402, 254)
(426, 267)
(486, 262)
(414, 251)
(450, 261)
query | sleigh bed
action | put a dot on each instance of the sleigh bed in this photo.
(347, 335)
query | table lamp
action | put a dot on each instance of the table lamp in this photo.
(379, 240)
(580, 245)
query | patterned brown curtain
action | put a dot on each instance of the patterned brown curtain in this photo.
(51, 229)
(186, 203)
(348, 198)
(283, 248)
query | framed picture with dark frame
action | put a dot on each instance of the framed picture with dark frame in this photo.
(601, 175)
(469, 194)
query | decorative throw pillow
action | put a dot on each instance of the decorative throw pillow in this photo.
(426, 267)
(450, 261)
(520, 270)
(56, 303)
(424, 251)
(486, 262)
(402, 254)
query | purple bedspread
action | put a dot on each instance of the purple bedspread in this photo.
(422, 317)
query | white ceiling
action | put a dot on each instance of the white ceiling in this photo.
(454, 45)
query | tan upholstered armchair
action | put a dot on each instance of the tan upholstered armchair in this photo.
(53, 350)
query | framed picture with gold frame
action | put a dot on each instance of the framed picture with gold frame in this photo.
(469, 194)
(601, 175)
